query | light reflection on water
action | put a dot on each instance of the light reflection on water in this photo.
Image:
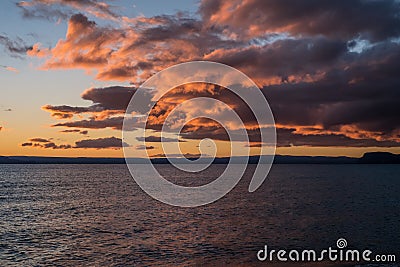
(95, 215)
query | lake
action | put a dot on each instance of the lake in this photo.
(96, 215)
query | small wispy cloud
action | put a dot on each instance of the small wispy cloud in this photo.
(12, 69)
(143, 147)
(57, 10)
(99, 143)
(16, 47)
(84, 132)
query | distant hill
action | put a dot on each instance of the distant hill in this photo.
(367, 158)
(59, 160)
(380, 158)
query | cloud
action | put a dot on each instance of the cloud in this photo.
(186, 155)
(114, 98)
(375, 20)
(15, 48)
(100, 143)
(113, 123)
(54, 146)
(66, 109)
(143, 147)
(54, 10)
(107, 109)
(105, 102)
(39, 140)
(157, 139)
(322, 90)
(85, 46)
(349, 98)
(60, 116)
(12, 69)
(289, 137)
(75, 131)
(134, 51)
(288, 60)
(27, 144)
(46, 145)
(323, 117)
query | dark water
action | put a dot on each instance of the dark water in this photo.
(95, 215)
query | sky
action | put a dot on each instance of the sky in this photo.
(329, 70)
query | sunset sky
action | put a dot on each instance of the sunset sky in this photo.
(330, 71)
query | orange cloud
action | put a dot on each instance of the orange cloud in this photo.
(132, 52)
(12, 69)
(37, 51)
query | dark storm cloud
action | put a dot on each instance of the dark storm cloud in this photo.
(365, 93)
(284, 58)
(374, 20)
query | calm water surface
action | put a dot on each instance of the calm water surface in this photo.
(96, 215)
